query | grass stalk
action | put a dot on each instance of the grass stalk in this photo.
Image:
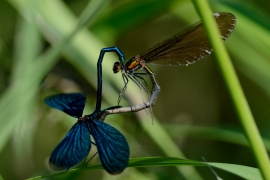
(241, 105)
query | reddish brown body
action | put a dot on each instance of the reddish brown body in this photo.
(134, 64)
(182, 49)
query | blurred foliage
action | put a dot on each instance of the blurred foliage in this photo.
(47, 47)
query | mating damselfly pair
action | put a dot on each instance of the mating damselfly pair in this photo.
(184, 48)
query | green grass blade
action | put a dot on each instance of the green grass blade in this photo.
(26, 51)
(30, 79)
(234, 87)
(211, 133)
(248, 173)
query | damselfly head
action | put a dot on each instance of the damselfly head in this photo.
(117, 67)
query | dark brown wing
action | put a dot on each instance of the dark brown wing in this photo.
(189, 45)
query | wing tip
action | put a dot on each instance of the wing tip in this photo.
(56, 167)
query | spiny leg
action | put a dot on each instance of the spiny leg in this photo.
(138, 107)
(152, 77)
(139, 84)
(91, 159)
(151, 110)
(149, 94)
(134, 77)
(146, 88)
(147, 91)
(85, 164)
(138, 76)
(125, 79)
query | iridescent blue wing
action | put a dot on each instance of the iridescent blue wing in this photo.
(112, 147)
(73, 148)
(72, 104)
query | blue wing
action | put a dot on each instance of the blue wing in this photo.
(72, 104)
(73, 148)
(112, 147)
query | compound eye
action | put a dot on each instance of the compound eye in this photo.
(116, 67)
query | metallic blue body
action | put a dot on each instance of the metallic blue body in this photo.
(99, 69)
(112, 146)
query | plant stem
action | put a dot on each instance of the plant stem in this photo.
(235, 90)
